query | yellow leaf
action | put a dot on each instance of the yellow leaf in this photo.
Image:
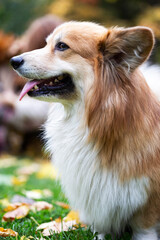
(72, 216)
(7, 232)
(58, 220)
(47, 170)
(26, 238)
(19, 180)
(12, 206)
(4, 202)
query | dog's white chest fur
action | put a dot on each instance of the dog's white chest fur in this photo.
(98, 194)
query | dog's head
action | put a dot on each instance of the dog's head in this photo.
(80, 57)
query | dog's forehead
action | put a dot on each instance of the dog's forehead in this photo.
(77, 30)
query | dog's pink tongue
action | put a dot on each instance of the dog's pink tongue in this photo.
(27, 87)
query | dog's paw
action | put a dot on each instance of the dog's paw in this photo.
(100, 237)
(147, 234)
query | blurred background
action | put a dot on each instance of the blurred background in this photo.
(24, 25)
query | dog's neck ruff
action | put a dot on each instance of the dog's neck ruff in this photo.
(96, 192)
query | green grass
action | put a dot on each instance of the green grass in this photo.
(27, 226)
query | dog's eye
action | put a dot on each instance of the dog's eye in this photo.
(61, 46)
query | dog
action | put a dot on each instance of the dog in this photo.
(103, 130)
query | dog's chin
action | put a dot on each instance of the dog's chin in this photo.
(60, 86)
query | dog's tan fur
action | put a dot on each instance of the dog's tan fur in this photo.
(128, 131)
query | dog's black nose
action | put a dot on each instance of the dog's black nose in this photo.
(16, 62)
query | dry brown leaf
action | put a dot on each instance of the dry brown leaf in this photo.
(20, 210)
(63, 205)
(55, 227)
(7, 232)
(41, 205)
(18, 213)
(28, 170)
(59, 225)
(45, 225)
(13, 206)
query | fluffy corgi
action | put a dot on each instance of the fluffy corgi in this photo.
(103, 130)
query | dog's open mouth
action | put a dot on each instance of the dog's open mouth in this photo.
(61, 85)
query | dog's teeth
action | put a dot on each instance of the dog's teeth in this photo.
(56, 80)
(60, 77)
(36, 87)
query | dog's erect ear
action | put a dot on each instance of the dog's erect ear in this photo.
(128, 47)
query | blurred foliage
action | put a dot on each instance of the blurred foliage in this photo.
(151, 18)
(15, 15)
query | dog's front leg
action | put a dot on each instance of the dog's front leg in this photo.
(100, 237)
(145, 234)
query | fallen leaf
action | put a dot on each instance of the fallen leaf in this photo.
(55, 227)
(18, 213)
(45, 225)
(47, 193)
(4, 202)
(37, 193)
(26, 238)
(12, 207)
(20, 199)
(58, 220)
(47, 170)
(28, 170)
(7, 232)
(63, 205)
(7, 161)
(59, 225)
(71, 216)
(82, 225)
(19, 180)
(41, 205)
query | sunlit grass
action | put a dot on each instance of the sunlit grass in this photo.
(27, 226)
